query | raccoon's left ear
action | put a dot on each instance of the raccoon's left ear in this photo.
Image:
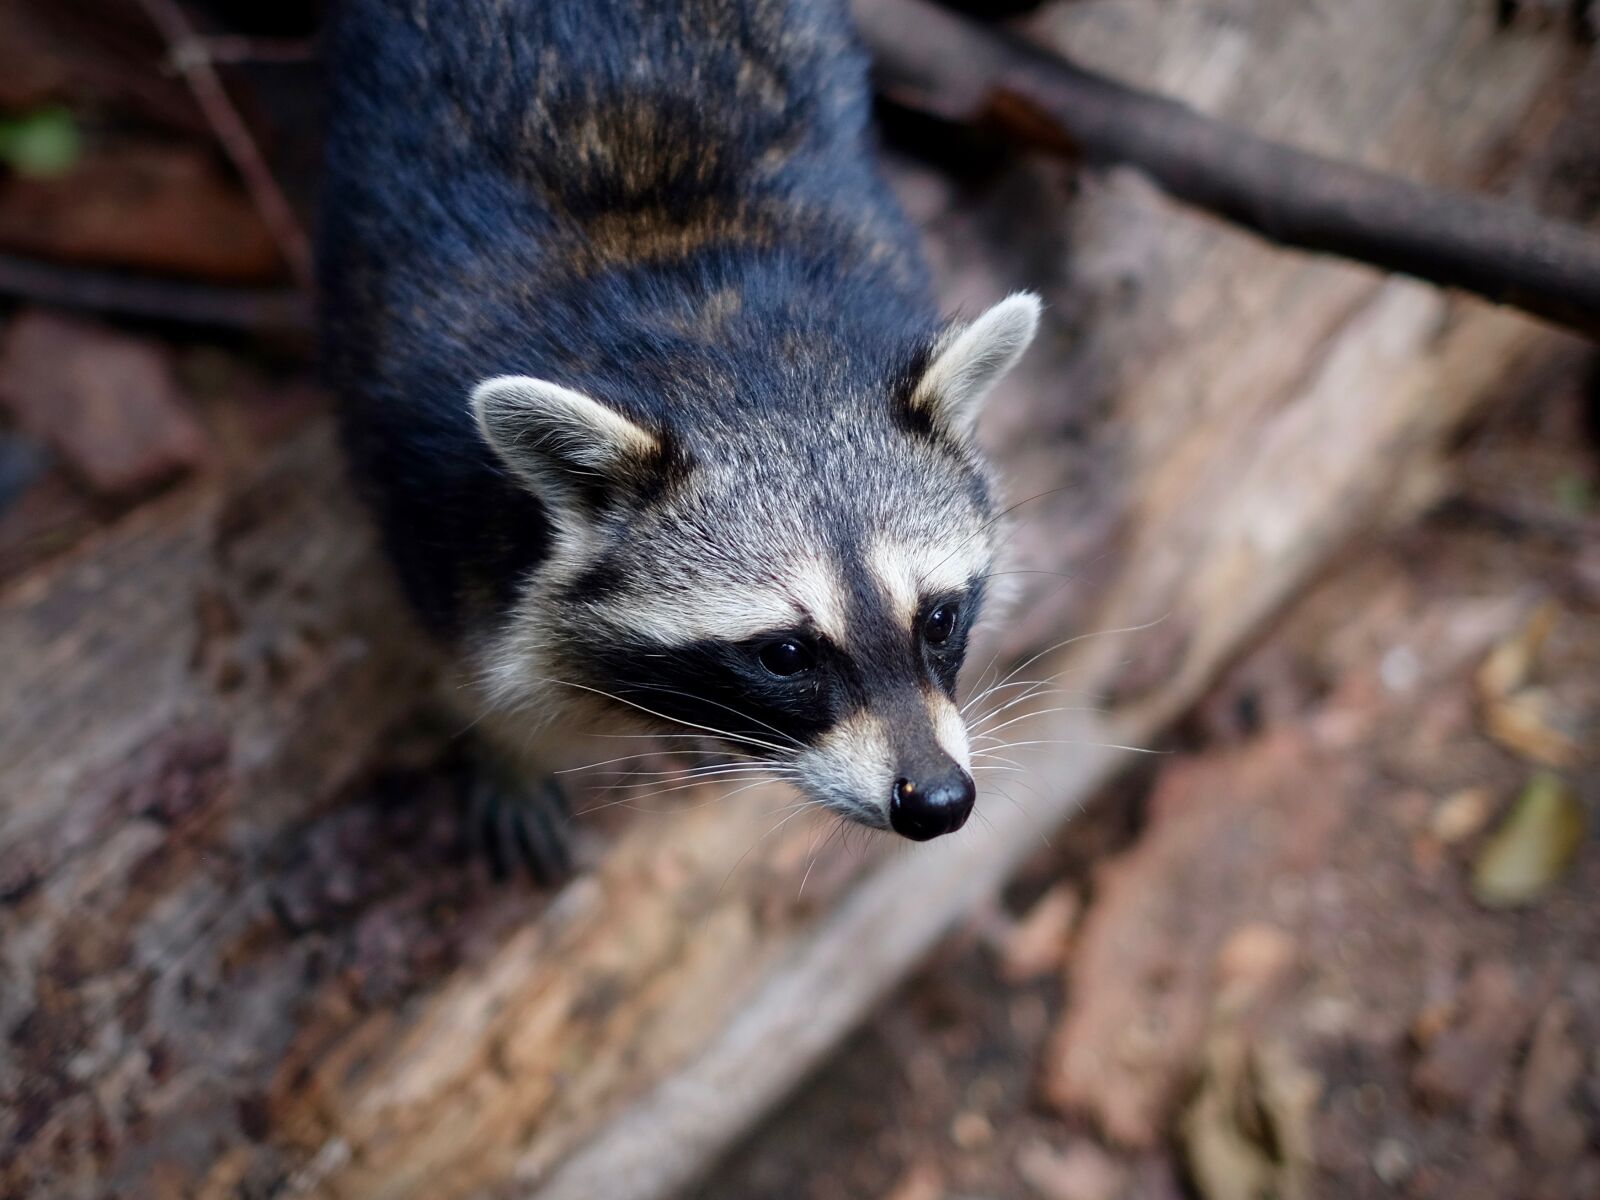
(970, 360)
(559, 441)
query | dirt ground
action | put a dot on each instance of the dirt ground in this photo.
(1290, 960)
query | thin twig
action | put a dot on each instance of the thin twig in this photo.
(233, 134)
(286, 310)
(231, 49)
(936, 62)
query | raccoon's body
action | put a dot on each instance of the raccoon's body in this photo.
(640, 370)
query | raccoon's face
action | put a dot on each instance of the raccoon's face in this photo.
(800, 584)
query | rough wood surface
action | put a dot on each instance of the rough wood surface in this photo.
(240, 959)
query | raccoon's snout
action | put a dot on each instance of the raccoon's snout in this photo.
(935, 803)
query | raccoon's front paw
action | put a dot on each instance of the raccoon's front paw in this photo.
(519, 823)
(1582, 16)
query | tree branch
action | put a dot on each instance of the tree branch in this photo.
(188, 57)
(285, 310)
(942, 64)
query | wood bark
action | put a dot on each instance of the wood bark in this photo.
(240, 952)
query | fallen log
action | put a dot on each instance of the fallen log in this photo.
(241, 959)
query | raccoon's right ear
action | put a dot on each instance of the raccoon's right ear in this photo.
(969, 360)
(554, 438)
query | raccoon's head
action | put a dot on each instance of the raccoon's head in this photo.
(798, 580)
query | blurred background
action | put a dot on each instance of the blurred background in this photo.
(1322, 922)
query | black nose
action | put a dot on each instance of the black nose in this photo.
(925, 809)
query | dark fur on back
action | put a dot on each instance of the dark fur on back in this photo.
(669, 206)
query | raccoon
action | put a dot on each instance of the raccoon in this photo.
(639, 368)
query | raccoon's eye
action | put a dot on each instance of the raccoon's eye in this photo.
(938, 625)
(786, 656)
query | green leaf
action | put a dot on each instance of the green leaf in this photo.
(1574, 494)
(41, 143)
(1532, 847)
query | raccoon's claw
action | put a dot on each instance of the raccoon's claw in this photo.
(521, 826)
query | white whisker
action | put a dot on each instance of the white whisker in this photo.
(632, 802)
(653, 754)
(1092, 745)
(712, 730)
(1043, 712)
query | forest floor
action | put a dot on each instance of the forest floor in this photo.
(1340, 940)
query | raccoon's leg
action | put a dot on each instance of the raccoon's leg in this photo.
(516, 820)
(1585, 20)
(514, 810)
(1582, 16)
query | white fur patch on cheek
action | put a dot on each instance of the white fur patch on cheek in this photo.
(949, 729)
(851, 770)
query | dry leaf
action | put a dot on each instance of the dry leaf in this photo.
(1082, 1171)
(108, 403)
(971, 1130)
(1037, 944)
(1548, 1108)
(1462, 814)
(922, 1182)
(1252, 961)
(1510, 664)
(1531, 724)
(1247, 1133)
